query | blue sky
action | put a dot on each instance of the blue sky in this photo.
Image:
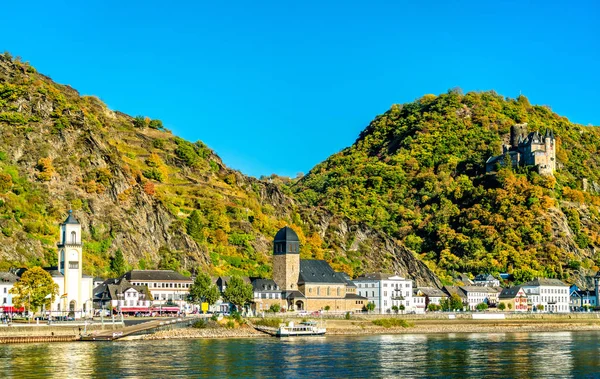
(277, 87)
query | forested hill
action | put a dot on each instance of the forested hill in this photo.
(164, 202)
(417, 172)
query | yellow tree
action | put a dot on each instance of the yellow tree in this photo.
(35, 289)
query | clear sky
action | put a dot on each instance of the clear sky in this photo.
(278, 86)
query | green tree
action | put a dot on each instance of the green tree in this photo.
(238, 293)
(401, 308)
(168, 260)
(203, 290)
(502, 306)
(139, 122)
(395, 308)
(327, 308)
(156, 124)
(35, 289)
(510, 306)
(117, 263)
(481, 306)
(370, 307)
(540, 307)
(194, 226)
(274, 308)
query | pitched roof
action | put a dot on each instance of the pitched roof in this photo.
(354, 296)
(478, 289)
(318, 271)
(485, 278)
(119, 287)
(450, 290)
(346, 277)
(71, 219)
(432, 292)
(154, 275)
(373, 276)
(509, 292)
(544, 282)
(53, 271)
(8, 277)
(265, 285)
(286, 234)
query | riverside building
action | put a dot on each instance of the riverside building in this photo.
(386, 291)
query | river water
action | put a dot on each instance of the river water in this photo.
(490, 355)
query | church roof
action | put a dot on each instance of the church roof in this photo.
(154, 275)
(346, 277)
(286, 234)
(318, 271)
(71, 219)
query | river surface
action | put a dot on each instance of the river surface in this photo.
(489, 355)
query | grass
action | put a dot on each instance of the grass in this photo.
(269, 322)
(392, 323)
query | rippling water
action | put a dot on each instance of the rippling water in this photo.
(515, 355)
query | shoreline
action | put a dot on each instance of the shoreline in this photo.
(366, 328)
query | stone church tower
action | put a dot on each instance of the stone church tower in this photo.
(70, 262)
(286, 259)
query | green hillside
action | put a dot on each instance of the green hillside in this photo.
(164, 202)
(417, 172)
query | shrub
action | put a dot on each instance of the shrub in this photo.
(275, 308)
(200, 324)
(214, 317)
(391, 323)
(153, 174)
(501, 306)
(230, 324)
(156, 124)
(269, 322)
(347, 316)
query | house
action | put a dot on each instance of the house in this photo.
(169, 289)
(486, 280)
(385, 291)
(548, 294)
(476, 295)
(464, 278)
(7, 281)
(582, 299)
(513, 298)
(455, 290)
(427, 295)
(221, 282)
(309, 284)
(266, 293)
(120, 296)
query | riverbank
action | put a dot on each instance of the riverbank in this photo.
(366, 327)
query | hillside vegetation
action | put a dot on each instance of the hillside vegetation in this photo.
(417, 172)
(164, 202)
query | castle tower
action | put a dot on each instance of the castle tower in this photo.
(70, 259)
(286, 259)
(550, 150)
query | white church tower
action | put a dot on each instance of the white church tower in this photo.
(75, 290)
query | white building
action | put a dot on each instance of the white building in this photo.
(486, 280)
(424, 296)
(169, 289)
(385, 291)
(480, 294)
(552, 294)
(75, 289)
(7, 280)
(120, 296)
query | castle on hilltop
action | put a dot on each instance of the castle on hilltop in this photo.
(527, 149)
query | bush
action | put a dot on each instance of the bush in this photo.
(230, 324)
(269, 322)
(347, 316)
(275, 308)
(392, 323)
(214, 317)
(200, 324)
(153, 174)
(501, 306)
(156, 124)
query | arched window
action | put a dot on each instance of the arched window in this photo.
(328, 292)
(338, 291)
(73, 237)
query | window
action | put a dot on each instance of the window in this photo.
(309, 290)
(318, 290)
(384, 293)
(4, 301)
(73, 264)
(328, 292)
(73, 237)
(5, 289)
(373, 292)
(339, 291)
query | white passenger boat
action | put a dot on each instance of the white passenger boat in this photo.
(307, 328)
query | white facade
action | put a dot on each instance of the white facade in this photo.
(480, 294)
(166, 286)
(75, 290)
(552, 294)
(7, 281)
(386, 291)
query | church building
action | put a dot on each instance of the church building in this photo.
(310, 284)
(75, 289)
